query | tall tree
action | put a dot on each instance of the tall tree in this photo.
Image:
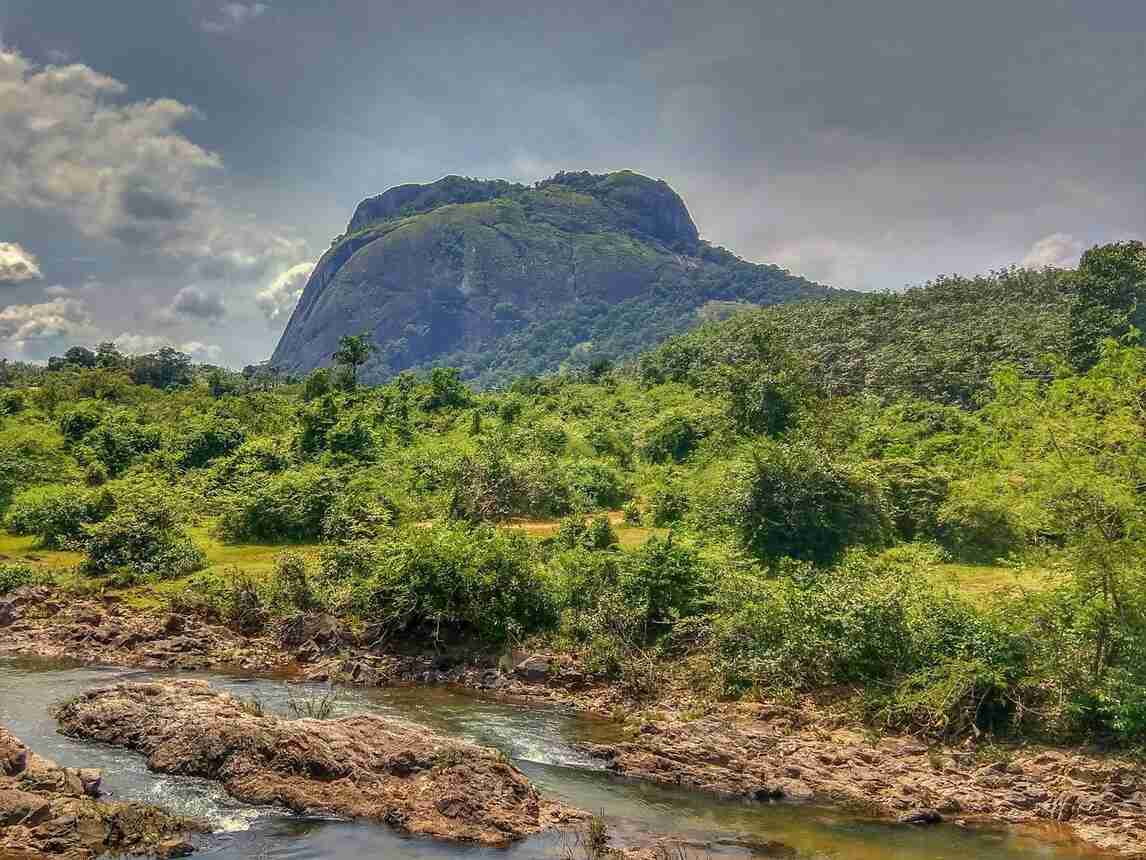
(353, 352)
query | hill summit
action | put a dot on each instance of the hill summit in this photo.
(502, 279)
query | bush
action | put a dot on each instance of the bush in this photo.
(596, 533)
(80, 420)
(291, 506)
(793, 500)
(56, 513)
(667, 505)
(927, 660)
(914, 494)
(358, 512)
(978, 526)
(670, 439)
(452, 580)
(206, 439)
(351, 436)
(13, 576)
(119, 441)
(592, 485)
(12, 401)
(141, 538)
(662, 581)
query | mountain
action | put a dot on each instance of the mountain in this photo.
(503, 280)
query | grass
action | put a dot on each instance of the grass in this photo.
(981, 581)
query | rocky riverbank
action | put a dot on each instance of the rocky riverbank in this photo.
(51, 811)
(770, 753)
(737, 749)
(362, 766)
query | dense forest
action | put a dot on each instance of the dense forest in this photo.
(929, 503)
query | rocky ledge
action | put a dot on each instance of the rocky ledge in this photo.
(362, 766)
(37, 621)
(52, 811)
(769, 753)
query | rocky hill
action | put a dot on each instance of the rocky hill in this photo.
(502, 280)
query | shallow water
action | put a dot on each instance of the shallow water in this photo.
(541, 741)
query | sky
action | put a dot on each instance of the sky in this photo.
(171, 169)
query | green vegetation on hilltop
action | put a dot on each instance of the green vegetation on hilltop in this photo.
(762, 510)
(502, 280)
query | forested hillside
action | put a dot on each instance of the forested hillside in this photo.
(930, 505)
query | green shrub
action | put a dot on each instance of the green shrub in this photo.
(56, 513)
(80, 420)
(351, 436)
(206, 439)
(140, 539)
(576, 531)
(359, 511)
(667, 504)
(119, 441)
(12, 401)
(13, 576)
(914, 494)
(793, 500)
(451, 580)
(291, 506)
(592, 485)
(663, 581)
(670, 439)
(979, 527)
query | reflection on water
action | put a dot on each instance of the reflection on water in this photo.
(544, 744)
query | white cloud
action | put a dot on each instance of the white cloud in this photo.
(120, 170)
(24, 327)
(278, 300)
(194, 302)
(1060, 250)
(826, 260)
(132, 343)
(232, 16)
(18, 265)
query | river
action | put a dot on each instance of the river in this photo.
(542, 742)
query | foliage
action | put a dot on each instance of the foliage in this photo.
(449, 580)
(141, 539)
(57, 513)
(291, 506)
(793, 500)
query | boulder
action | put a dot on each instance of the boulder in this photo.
(362, 766)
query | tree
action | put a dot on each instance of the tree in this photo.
(1108, 298)
(166, 368)
(1069, 464)
(353, 352)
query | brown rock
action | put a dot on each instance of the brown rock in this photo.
(362, 766)
(47, 810)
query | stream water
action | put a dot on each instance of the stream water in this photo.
(542, 743)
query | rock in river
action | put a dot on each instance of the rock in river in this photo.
(52, 811)
(362, 766)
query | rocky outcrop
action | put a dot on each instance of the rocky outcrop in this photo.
(362, 766)
(52, 811)
(770, 753)
(37, 621)
(473, 270)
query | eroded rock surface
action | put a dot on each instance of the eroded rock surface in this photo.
(766, 753)
(362, 766)
(52, 811)
(37, 621)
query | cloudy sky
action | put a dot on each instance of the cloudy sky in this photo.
(169, 169)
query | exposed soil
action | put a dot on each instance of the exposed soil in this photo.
(52, 811)
(362, 766)
(737, 749)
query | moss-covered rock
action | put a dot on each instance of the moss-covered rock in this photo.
(503, 279)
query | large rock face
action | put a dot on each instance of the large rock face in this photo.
(503, 279)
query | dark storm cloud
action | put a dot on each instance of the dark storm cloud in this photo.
(865, 144)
